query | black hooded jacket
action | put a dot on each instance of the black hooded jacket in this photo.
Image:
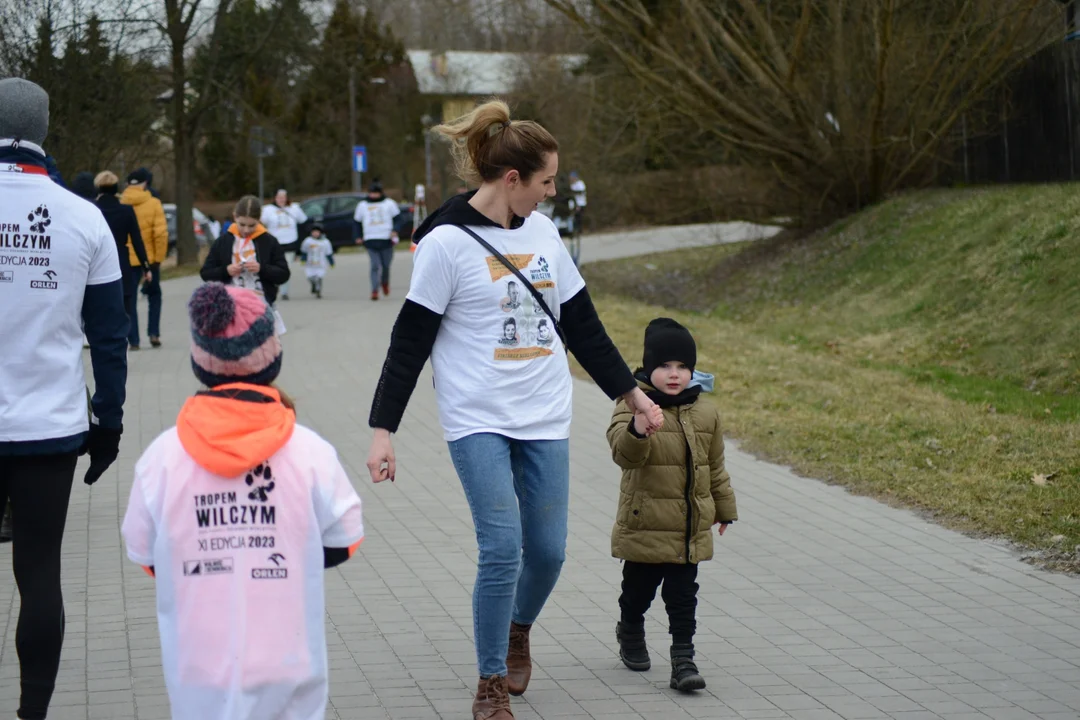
(416, 328)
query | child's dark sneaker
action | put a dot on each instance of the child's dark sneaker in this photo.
(632, 650)
(684, 673)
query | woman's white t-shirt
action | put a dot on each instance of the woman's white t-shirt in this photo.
(499, 364)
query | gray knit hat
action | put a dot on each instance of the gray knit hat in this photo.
(24, 111)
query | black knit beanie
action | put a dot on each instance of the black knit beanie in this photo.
(667, 341)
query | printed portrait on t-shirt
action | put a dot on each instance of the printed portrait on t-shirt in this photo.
(512, 301)
(544, 335)
(509, 333)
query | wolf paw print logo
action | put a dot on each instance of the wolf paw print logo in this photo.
(543, 264)
(39, 219)
(261, 474)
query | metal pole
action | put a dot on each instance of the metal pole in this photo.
(1005, 137)
(967, 172)
(352, 127)
(427, 161)
(1066, 61)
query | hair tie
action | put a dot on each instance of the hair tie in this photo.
(506, 124)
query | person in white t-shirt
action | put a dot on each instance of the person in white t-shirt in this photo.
(59, 274)
(374, 221)
(318, 256)
(281, 219)
(501, 377)
(236, 511)
(577, 186)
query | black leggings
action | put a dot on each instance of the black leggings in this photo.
(38, 488)
(680, 589)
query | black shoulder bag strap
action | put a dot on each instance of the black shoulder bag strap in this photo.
(537, 296)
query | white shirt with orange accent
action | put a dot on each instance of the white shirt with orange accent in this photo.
(377, 218)
(498, 362)
(239, 572)
(282, 222)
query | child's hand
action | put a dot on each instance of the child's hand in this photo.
(639, 403)
(641, 425)
(723, 527)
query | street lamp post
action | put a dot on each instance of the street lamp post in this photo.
(427, 122)
(352, 121)
(262, 146)
(352, 126)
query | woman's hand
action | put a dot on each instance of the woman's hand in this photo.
(235, 269)
(381, 462)
(252, 266)
(640, 403)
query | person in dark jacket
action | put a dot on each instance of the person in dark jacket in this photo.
(129, 245)
(247, 255)
(83, 186)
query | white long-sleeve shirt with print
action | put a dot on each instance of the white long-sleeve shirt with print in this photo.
(239, 572)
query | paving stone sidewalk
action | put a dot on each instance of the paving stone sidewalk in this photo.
(819, 606)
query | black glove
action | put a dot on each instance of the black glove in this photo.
(103, 444)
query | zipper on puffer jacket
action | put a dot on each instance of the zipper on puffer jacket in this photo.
(689, 488)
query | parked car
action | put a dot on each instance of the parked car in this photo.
(335, 212)
(199, 221)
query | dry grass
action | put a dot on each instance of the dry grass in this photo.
(821, 363)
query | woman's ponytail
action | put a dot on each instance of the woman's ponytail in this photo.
(487, 143)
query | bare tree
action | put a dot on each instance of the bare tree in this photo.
(844, 100)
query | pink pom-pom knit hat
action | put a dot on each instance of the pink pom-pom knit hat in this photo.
(232, 336)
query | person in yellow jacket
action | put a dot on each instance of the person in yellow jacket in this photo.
(675, 488)
(155, 235)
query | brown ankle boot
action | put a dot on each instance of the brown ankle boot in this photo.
(518, 659)
(492, 701)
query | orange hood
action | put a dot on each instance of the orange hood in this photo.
(260, 229)
(232, 428)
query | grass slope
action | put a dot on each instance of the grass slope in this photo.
(923, 351)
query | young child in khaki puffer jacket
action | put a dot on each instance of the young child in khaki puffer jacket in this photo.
(674, 490)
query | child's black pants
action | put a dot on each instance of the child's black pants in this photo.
(679, 592)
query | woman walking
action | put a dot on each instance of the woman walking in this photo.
(504, 394)
(134, 265)
(282, 219)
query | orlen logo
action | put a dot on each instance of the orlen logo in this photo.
(49, 284)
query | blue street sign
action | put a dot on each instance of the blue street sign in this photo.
(359, 159)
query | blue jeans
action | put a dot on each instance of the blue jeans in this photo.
(132, 276)
(519, 493)
(380, 266)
